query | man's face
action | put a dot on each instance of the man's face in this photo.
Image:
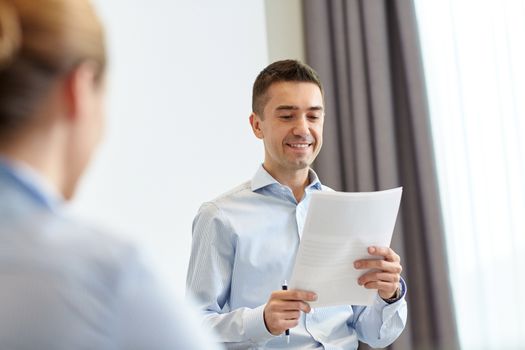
(292, 125)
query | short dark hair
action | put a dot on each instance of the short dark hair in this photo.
(286, 70)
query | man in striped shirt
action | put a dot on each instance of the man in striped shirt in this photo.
(245, 241)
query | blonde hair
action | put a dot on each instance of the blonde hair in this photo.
(41, 40)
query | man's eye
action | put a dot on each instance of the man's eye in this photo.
(285, 117)
(313, 117)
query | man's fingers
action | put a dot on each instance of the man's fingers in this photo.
(378, 264)
(290, 315)
(390, 261)
(285, 305)
(281, 322)
(294, 294)
(378, 276)
(385, 252)
(296, 305)
(278, 321)
(382, 286)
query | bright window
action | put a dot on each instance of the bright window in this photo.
(474, 59)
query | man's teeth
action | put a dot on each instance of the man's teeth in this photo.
(299, 145)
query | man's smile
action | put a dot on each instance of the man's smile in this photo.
(299, 145)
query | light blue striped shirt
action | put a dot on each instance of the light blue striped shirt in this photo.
(244, 247)
(66, 285)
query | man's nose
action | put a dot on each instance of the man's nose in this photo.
(301, 127)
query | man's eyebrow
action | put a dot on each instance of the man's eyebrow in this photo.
(285, 107)
(292, 107)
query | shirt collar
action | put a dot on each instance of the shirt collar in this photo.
(32, 182)
(263, 179)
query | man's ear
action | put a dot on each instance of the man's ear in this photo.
(78, 87)
(255, 122)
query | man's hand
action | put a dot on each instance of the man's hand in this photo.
(385, 274)
(284, 307)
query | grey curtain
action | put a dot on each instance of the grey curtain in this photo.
(377, 136)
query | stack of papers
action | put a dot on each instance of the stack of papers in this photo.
(338, 230)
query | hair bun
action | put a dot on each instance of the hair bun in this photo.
(10, 32)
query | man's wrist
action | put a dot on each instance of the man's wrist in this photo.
(395, 297)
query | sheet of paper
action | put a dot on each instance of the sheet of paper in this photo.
(338, 229)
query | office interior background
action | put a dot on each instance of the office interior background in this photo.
(177, 134)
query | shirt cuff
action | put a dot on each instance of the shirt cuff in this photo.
(388, 310)
(254, 326)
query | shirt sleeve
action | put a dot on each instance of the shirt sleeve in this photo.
(209, 280)
(381, 323)
(150, 317)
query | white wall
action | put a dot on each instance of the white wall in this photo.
(178, 105)
(285, 34)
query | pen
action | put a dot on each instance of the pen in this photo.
(287, 332)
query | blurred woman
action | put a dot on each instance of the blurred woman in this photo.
(63, 284)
